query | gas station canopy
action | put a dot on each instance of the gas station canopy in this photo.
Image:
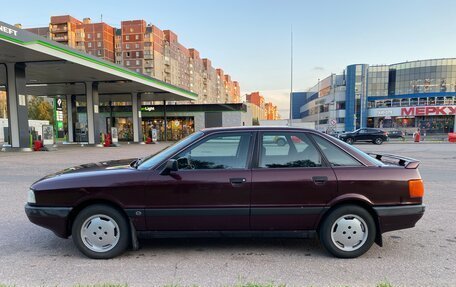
(33, 65)
(56, 69)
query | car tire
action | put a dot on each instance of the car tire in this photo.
(281, 142)
(349, 140)
(101, 232)
(378, 141)
(348, 231)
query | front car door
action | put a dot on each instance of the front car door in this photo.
(363, 135)
(292, 183)
(211, 189)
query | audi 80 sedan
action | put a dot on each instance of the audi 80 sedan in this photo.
(234, 182)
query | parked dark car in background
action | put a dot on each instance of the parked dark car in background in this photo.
(375, 136)
(234, 182)
(395, 134)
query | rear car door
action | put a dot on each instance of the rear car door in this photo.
(291, 182)
(211, 189)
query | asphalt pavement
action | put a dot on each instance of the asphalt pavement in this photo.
(33, 256)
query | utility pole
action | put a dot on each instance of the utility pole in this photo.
(317, 102)
(291, 78)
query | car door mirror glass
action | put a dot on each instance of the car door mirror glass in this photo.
(183, 163)
(171, 165)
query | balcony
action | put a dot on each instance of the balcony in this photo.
(62, 38)
(59, 29)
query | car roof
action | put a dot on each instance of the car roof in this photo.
(256, 128)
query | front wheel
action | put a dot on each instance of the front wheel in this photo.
(101, 232)
(348, 231)
(378, 141)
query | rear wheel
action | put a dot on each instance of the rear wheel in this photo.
(101, 232)
(349, 140)
(378, 141)
(348, 231)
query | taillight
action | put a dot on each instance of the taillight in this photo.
(385, 133)
(416, 188)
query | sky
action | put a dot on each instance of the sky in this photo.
(251, 39)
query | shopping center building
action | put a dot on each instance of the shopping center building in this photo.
(407, 96)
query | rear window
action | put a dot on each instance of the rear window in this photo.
(335, 155)
(361, 153)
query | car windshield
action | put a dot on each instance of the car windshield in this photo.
(153, 160)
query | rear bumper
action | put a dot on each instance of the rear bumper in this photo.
(398, 217)
(52, 218)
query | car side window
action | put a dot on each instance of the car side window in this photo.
(228, 151)
(335, 155)
(287, 149)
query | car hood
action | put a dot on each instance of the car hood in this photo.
(93, 168)
(103, 165)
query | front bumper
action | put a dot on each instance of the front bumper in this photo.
(399, 217)
(52, 218)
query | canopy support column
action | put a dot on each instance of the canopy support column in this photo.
(93, 104)
(69, 107)
(17, 106)
(137, 120)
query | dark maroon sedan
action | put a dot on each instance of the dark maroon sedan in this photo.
(234, 182)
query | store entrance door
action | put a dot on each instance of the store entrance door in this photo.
(177, 127)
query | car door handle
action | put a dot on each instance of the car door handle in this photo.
(237, 181)
(320, 179)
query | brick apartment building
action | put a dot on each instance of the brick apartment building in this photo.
(256, 104)
(97, 39)
(144, 48)
(271, 111)
(260, 109)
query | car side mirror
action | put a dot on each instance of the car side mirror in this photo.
(171, 165)
(183, 163)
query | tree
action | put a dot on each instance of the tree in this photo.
(3, 113)
(39, 109)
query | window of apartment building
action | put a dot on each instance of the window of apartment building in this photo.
(137, 46)
(137, 37)
(99, 52)
(128, 54)
(138, 70)
(137, 54)
(119, 62)
(89, 45)
(127, 46)
(98, 35)
(127, 37)
(138, 62)
(89, 36)
(127, 63)
(98, 44)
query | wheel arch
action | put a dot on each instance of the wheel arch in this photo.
(80, 206)
(358, 201)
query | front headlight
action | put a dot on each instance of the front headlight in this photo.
(31, 196)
